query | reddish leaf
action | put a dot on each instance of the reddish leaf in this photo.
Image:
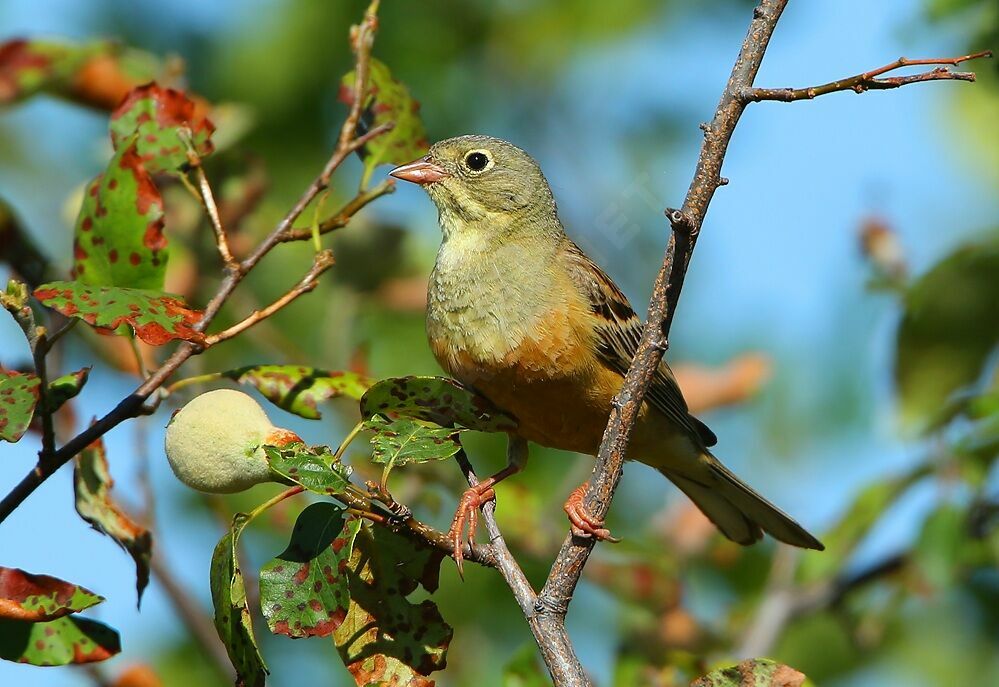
(97, 74)
(58, 642)
(385, 638)
(34, 598)
(119, 238)
(160, 118)
(18, 396)
(92, 483)
(300, 389)
(156, 317)
(27, 67)
(303, 591)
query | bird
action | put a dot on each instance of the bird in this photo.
(518, 312)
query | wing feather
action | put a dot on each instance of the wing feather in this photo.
(619, 334)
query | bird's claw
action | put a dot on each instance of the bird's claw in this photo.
(583, 524)
(467, 516)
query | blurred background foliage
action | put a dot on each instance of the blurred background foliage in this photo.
(865, 381)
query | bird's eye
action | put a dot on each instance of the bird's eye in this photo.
(476, 160)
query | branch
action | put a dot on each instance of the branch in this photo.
(342, 217)
(132, 405)
(322, 262)
(869, 81)
(686, 224)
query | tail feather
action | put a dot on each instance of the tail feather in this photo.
(737, 510)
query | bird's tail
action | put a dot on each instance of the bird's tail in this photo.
(736, 509)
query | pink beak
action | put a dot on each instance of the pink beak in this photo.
(421, 172)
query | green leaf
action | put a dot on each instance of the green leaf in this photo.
(949, 329)
(303, 592)
(403, 441)
(439, 400)
(118, 240)
(299, 389)
(34, 598)
(310, 467)
(92, 484)
(387, 100)
(155, 317)
(66, 387)
(232, 615)
(57, 642)
(756, 672)
(385, 638)
(29, 67)
(164, 122)
(18, 397)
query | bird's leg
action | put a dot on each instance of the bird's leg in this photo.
(467, 513)
(583, 524)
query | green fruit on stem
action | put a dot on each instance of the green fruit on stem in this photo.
(214, 443)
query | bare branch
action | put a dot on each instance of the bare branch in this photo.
(322, 262)
(343, 216)
(870, 81)
(132, 405)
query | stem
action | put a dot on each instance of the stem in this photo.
(358, 428)
(273, 501)
(190, 381)
(869, 80)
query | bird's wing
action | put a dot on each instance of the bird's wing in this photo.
(618, 334)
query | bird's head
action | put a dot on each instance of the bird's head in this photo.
(481, 180)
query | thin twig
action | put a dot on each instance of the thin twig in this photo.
(322, 262)
(553, 600)
(207, 198)
(869, 81)
(342, 217)
(132, 405)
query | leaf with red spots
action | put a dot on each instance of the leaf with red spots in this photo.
(385, 638)
(232, 615)
(439, 400)
(29, 67)
(18, 397)
(387, 100)
(754, 672)
(34, 598)
(304, 591)
(403, 441)
(66, 387)
(311, 467)
(156, 317)
(119, 238)
(92, 483)
(164, 121)
(97, 73)
(299, 389)
(57, 642)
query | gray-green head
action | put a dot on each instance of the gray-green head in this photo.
(481, 178)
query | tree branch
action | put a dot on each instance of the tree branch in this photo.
(553, 600)
(322, 262)
(132, 405)
(869, 81)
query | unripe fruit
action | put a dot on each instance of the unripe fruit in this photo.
(214, 443)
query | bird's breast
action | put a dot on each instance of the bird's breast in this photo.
(522, 338)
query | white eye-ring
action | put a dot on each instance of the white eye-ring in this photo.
(478, 161)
